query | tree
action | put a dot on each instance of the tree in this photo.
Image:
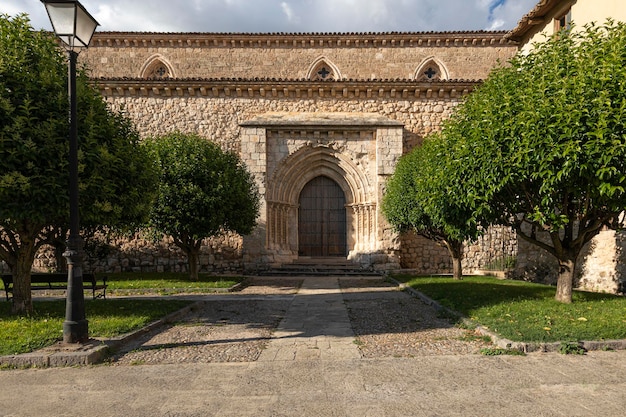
(415, 200)
(115, 173)
(541, 145)
(203, 192)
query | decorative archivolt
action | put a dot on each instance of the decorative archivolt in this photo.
(310, 162)
(323, 69)
(157, 67)
(431, 69)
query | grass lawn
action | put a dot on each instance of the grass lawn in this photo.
(527, 312)
(165, 283)
(107, 318)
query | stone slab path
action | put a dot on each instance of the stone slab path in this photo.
(316, 326)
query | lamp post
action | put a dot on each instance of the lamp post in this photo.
(75, 27)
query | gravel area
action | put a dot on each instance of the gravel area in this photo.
(389, 323)
(236, 328)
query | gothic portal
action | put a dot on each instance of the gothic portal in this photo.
(322, 177)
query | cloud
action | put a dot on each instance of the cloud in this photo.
(291, 15)
(505, 14)
(496, 24)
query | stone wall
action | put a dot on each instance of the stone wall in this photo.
(219, 119)
(496, 250)
(601, 266)
(463, 55)
(423, 255)
(220, 255)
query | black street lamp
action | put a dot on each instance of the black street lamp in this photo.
(75, 27)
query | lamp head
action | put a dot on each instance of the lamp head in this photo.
(71, 22)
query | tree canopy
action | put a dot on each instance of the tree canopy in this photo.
(203, 191)
(416, 199)
(115, 173)
(541, 145)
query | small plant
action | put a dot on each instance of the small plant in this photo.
(571, 348)
(501, 264)
(501, 351)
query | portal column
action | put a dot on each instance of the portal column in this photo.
(254, 154)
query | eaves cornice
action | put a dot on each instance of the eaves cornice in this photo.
(298, 40)
(537, 17)
(285, 89)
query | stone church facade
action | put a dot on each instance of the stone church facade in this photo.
(319, 119)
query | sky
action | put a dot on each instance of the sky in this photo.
(289, 16)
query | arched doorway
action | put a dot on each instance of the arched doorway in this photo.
(322, 219)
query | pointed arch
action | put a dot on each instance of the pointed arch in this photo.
(310, 162)
(431, 68)
(157, 67)
(323, 69)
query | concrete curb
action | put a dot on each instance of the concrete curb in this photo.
(526, 347)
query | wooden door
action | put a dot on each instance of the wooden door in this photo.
(322, 219)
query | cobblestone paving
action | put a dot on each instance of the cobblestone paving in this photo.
(237, 327)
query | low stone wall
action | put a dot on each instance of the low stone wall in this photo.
(220, 255)
(423, 255)
(495, 250)
(601, 267)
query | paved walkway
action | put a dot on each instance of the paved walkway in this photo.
(316, 326)
(312, 368)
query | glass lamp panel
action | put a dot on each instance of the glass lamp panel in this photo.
(62, 18)
(85, 27)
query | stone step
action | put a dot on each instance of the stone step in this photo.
(311, 266)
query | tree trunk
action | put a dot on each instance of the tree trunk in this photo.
(191, 248)
(59, 250)
(22, 299)
(457, 269)
(194, 259)
(565, 282)
(455, 248)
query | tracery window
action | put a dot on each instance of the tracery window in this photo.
(431, 73)
(156, 67)
(158, 70)
(323, 70)
(430, 70)
(323, 73)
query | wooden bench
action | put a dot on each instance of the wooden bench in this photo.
(58, 281)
